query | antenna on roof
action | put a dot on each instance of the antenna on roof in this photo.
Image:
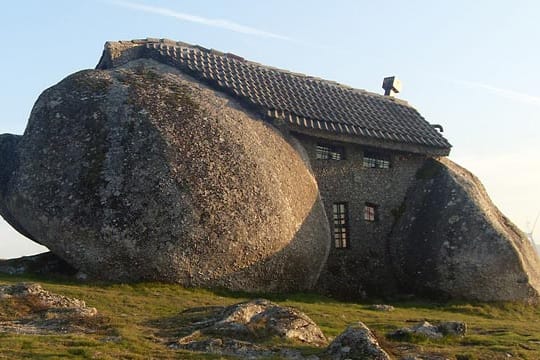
(530, 234)
(391, 86)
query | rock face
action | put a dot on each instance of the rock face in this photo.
(41, 264)
(356, 342)
(142, 173)
(9, 159)
(452, 241)
(9, 162)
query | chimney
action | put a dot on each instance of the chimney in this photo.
(391, 86)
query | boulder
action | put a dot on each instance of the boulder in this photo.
(142, 173)
(428, 330)
(454, 328)
(9, 162)
(451, 241)
(258, 320)
(382, 307)
(41, 264)
(356, 342)
(242, 330)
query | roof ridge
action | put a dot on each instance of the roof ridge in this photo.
(235, 57)
(302, 100)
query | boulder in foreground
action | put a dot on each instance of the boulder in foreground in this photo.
(241, 329)
(356, 342)
(26, 308)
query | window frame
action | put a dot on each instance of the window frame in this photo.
(376, 160)
(340, 225)
(371, 212)
(330, 152)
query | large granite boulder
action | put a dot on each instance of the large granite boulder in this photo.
(45, 264)
(451, 241)
(9, 161)
(141, 173)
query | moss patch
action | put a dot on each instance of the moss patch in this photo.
(152, 91)
(94, 85)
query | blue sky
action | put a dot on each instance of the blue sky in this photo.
(471, 66)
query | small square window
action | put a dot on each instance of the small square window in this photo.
(376, 160)
(329, 152)
(370, 212)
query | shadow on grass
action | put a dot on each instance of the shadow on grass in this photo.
(184, 323)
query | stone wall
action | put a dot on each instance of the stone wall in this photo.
(362, 268)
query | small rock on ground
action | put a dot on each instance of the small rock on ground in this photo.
(426, 329)
(356, 342)
(40, 312)
(382, 307)
(237, 330)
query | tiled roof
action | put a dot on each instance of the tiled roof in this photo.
(301, 100)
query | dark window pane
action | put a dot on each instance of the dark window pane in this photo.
(341, 236)
(375, 160)
(370, 212)
(329, 152)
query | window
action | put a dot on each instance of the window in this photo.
(370, 212)
(341, 232)
(375, 160)
(329, 152)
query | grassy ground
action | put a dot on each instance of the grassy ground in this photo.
(141, 314)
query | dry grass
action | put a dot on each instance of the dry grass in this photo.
(145, 316)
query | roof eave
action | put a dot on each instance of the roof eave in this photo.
(371, 142)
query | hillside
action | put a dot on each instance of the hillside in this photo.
(139, 320)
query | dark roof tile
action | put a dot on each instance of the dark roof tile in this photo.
(302, 100)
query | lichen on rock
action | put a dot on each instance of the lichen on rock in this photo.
(356, 342)
(244, 329)
(137, 171)
(453, 242)
(142, 173)
(27, 308)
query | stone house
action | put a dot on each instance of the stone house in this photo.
(365, 148)
(206, 169)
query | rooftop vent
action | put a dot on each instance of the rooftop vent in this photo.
(391, 86)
